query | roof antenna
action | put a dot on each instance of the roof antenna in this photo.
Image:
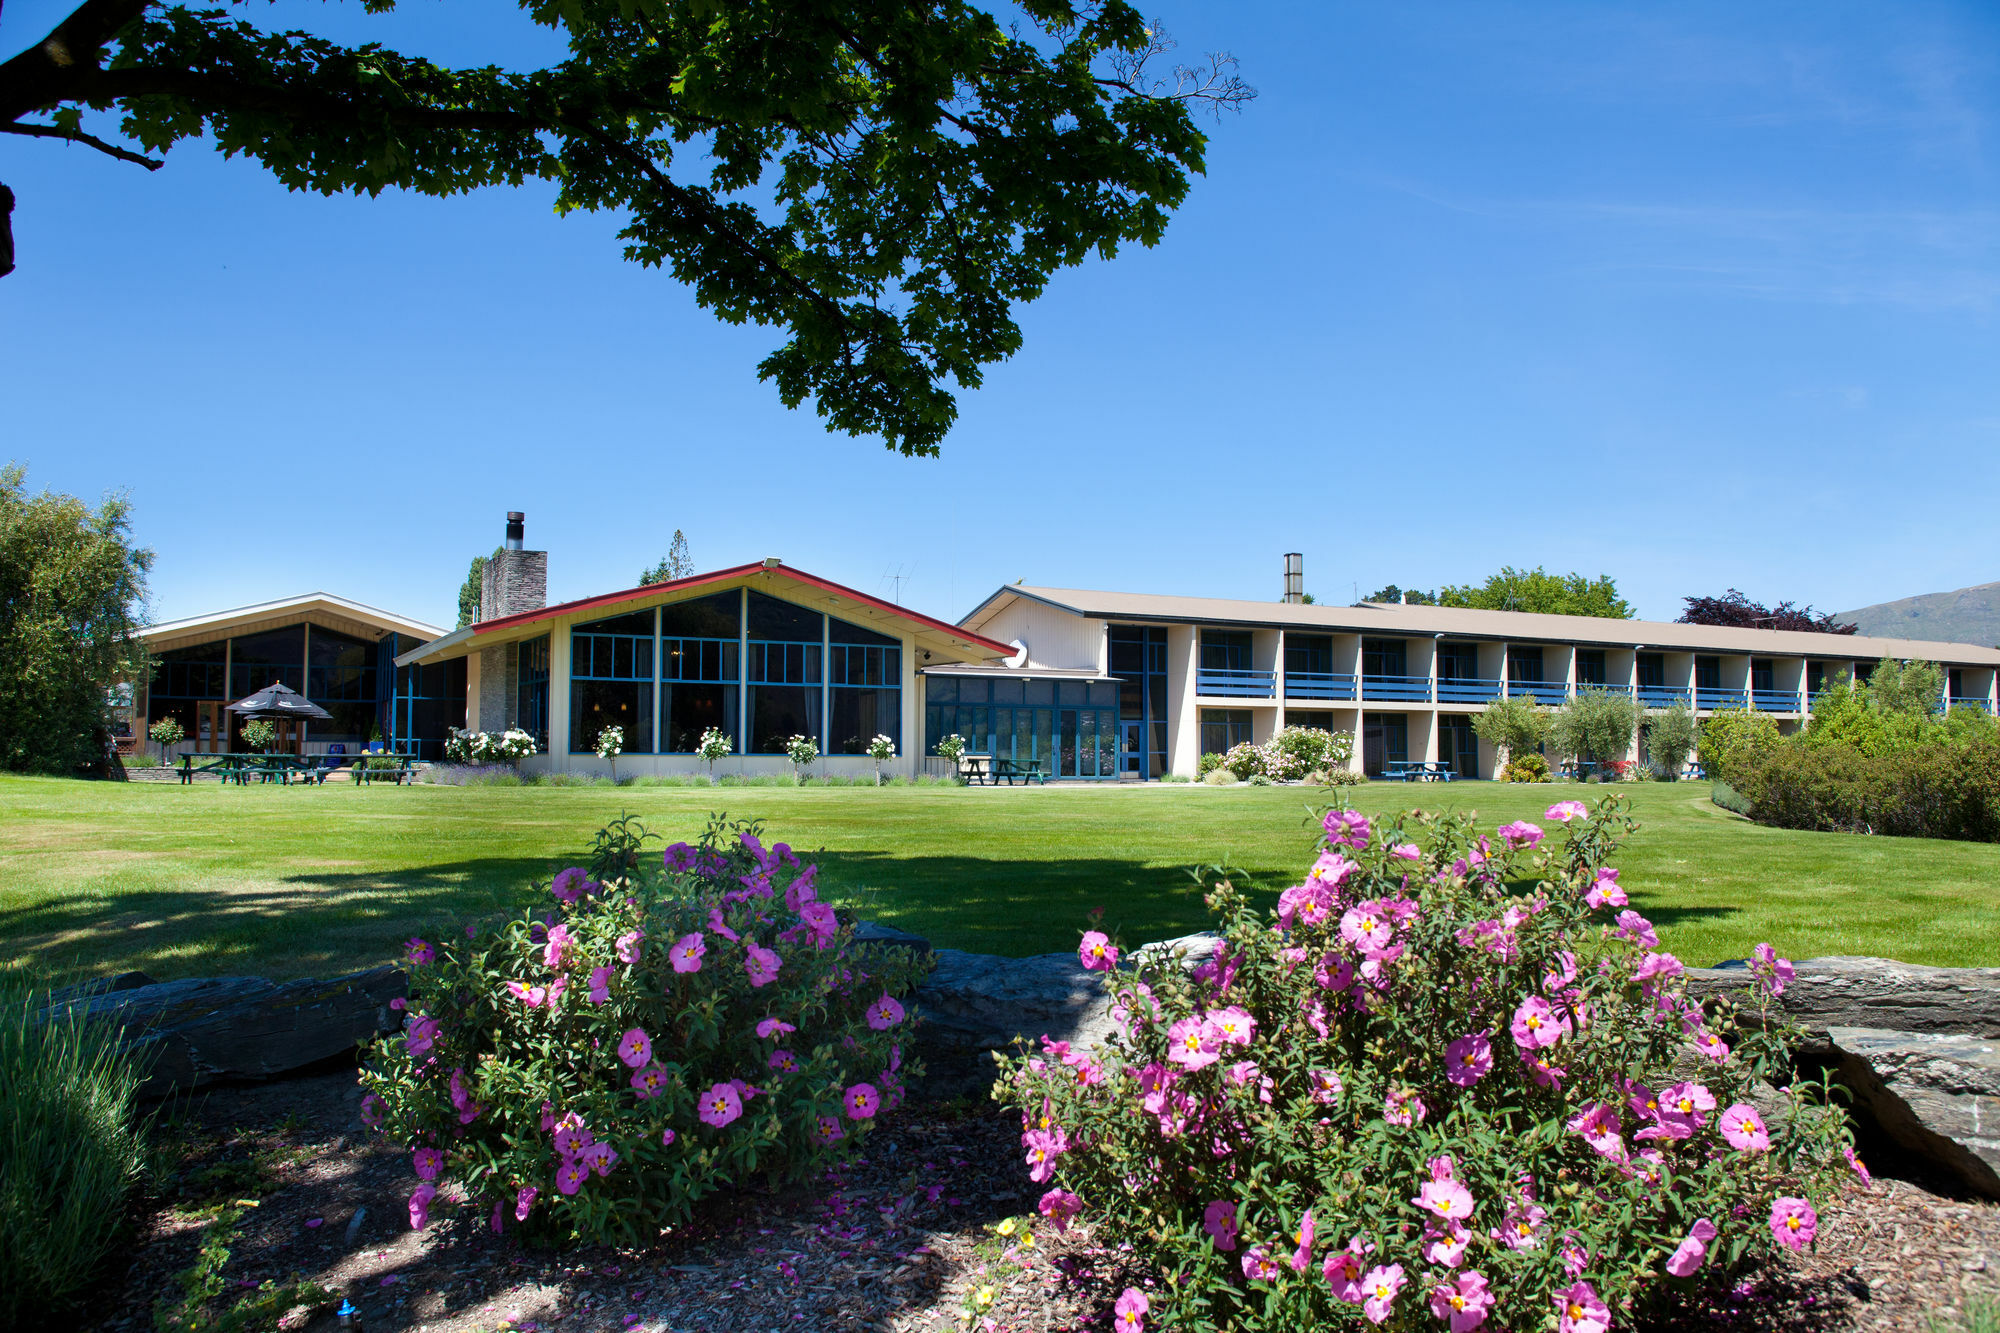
(897, 577)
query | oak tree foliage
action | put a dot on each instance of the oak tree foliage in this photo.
(884, 181)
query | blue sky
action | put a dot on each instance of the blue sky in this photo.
(1695, 297)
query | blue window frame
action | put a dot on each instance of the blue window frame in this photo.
(1069, 727)
(531, 689)
(864, 688)
(611, 682)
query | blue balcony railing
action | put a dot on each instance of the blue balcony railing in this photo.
(1466, 690)
(1318, 685)
(1400, 689)
(1541, 691)
(1706, 697)
(1236, 684)
(1661, 696)
(1969, 701)
(1774, 701)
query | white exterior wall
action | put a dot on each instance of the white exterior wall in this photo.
(1055, 638)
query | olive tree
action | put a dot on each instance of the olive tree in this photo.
(1595, 724)
(1670, 737)
(1513, 726)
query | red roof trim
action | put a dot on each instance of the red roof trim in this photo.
(737, 572)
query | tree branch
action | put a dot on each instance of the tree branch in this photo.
(35, 78)
(33, 131)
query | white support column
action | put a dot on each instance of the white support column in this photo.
(912, 707)
(1278, 675)
(559, 688)
(1183, 718)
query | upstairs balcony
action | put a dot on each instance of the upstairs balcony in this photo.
(1318, 685)
(1968, 701)
(1467, 690)
(1708, 696)
(1774, 701)
(1397, 689)
(1222, 684)
(1661, 696)
(1541, 691)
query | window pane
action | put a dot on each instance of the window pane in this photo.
(716, 617)
(779, 712)
(860, 715)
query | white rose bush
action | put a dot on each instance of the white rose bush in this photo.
(882, 748)
(1450, 1082)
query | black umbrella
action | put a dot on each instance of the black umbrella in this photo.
(275, 700)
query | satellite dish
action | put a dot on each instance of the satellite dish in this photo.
(1020, 657)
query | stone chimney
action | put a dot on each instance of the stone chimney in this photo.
(514, 580)
(1295, 577)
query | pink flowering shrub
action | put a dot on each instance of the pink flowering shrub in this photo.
(1451, 1082)
(666, 1026)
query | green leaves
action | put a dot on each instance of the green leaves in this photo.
(883, 183)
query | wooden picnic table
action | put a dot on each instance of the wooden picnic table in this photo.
(310, 769)
(1027, 770)
(975, 769)
(1417, 770)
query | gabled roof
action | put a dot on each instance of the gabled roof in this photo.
(937, 636)
(1464, 622)
(322, 608)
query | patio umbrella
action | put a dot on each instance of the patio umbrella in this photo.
(275, 700)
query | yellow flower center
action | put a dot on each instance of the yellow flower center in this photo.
(1575, 1310)
(1382, 1290)
(1792, 1222)
(1457, 1301)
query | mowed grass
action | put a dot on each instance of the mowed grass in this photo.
(182, 881)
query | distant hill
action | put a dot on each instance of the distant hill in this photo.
(1969, 615)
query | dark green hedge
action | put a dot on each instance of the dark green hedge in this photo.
(1925, 791)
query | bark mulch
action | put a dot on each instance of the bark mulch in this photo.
(903, 1241)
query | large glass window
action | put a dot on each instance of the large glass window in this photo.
(865, 686)
(1222, 729)
(1524, 665)
(341, 678)
(1139, 660)
(611, 682)
(1309, 654)
(1708, 673)
(531, 689)
(1652, 668)
(1458, 746)
(1318, 721)
(256, 660)
(785, 673)
(700, 670)
(1385, 657)
(1068, 727)
(1225, 650)
(1590, 666)
(1763, 674)
(430, 700)
(182, 677)
(1458, 660)
(1385, 739)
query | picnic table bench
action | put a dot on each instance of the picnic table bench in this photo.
(975, 769)
(1417, 770)
(311, 769)
(1027, 770)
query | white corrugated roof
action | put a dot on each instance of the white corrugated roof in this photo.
(324, 602)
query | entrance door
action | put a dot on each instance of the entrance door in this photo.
(1132, 749)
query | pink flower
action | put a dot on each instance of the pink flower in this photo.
(1536, 1024)
(1656, 965)
(1687, 1103)
(1859, 1167)
(762, 965)
(1325, 1085)
(571, 1135)
(1638, 929)
(1232, 1025)
(524, 1202)
(1693, 1250)
(1712, 1046)
(1192, 1044)
(830, 1129)
(1520, 833)
(861, 1101)
(884, 1014)
(568, 885)
(1219, 1221)
(1128, 1315)
(600, 984)
(1379, 1290)
(420, 1205)
(1564, 811)
(1744, 1128)
(1342, 1270)
(1366, 930)
(600, 1157)
(1579, 1311)
(1059, 1206)
(1522, 1226)
(1302, 1256)
(1044, 1146)
(420, 952)
(427, 1162)
(1605, 892)
(1462, 1303)
(1468, 1059)
(687, 951)
(1545, 1072)
(571, 1175)
(801, 893)
(559, 940)
(1346, 828)
(667, 1137)
(627, 947)
(635, 1048)
(1599, 1126)
(771, 1027)
(1447, 1244)
(1446, 1199)
(1259, 1266)
(1329, 871)
(372, 1111)
(649, 1082)
(1407, 851)
(423, 1031)
(720, 1105)
(1404, 1107)
(1575, 1258)
(1097, 952)
(1774, 973)
(720, 926)
(821, 921)
(784, 1062)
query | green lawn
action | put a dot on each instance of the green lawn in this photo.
(296, 881)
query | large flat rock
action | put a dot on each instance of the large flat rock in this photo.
(1843, 991)
(206, 1029)
(974, 1005)
(1934, 1095)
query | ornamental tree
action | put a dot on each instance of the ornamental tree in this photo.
(1735, 609)
(883, 183)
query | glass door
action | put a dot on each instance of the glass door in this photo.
(1132, 749)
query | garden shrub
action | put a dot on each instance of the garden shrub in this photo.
(1670, 739)
(1726, 796)
(671, 1026)
(1939, 790)
(1734, 741)
(1289, 755)
(1219, 777)
(1595, 724)
(1208, 763)
(1335, 777)
(71, 1154)
(1529, 767)
(1514, 726)
(1446, 1083)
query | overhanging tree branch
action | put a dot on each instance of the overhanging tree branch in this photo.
(33, 131)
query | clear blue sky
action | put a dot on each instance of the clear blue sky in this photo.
(1694, 296)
